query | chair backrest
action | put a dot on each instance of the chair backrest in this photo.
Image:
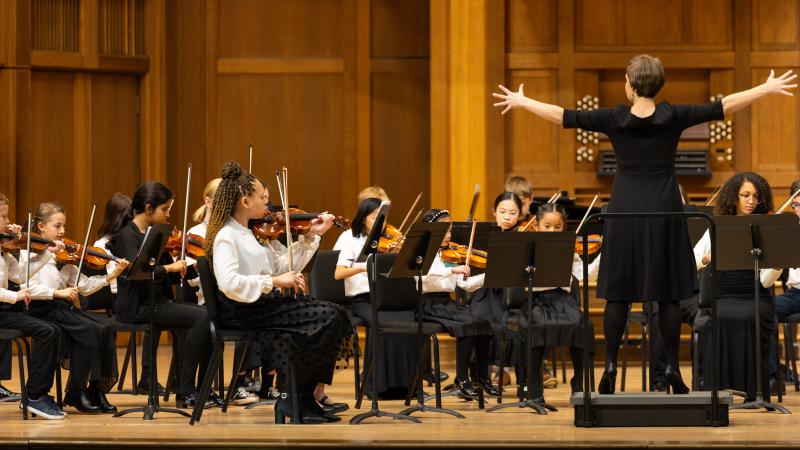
(393, 294)
(209, 284)
(321, 281)
(705, 296)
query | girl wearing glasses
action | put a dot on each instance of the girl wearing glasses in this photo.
(743, 194)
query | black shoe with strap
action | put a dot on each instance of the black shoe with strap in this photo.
(80, 399)
(608, 382)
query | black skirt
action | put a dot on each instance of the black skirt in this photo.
(457, 319)
(85, 332)
(312, 335)
(556, 321)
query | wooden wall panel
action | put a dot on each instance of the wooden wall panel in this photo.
(532, 143)
(532, 25)
(654, 22)
(776, 25)
(55, 25)
(277, 28)
(774, 131)
(401, 138)
(400, 29)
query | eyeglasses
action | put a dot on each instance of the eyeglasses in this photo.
(795, 206)
(748, 197)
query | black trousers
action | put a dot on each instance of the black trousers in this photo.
(196, 348)
(5, 359)
(45, 337)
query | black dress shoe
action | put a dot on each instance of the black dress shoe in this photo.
(468, 390)
(442, 377)
(310, 403)
(331, 407)
(99, 398)
(487, 387)
(144, 387)
(608, 382)
(6, 393)
(674, 381)
(659, 386)
(213, 397)
(284, 410)
(81, 400)
(190, 400)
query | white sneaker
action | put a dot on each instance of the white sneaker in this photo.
(241, 397)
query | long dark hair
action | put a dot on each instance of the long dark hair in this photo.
(365, 208)
(117, 213)
(151, 193)
(728, 196)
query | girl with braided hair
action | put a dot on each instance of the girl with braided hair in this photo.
(305, 334)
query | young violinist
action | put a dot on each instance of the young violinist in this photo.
(522, 187)
(44, 335)
(743, 194)
(470, 332)
(118, 208)
(292, 331)
(397, 354)
(150, 205)
(91, 342)
(556, 312)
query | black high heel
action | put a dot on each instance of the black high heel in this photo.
(675, 383)
(608, 383)
(283, 410)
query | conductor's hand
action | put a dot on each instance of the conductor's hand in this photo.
(511, 99)
(70, 294)
(780, 85)
(178, 266)
(293, 280)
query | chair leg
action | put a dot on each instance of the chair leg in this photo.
(205, 389)
(645, 348)
(295, 399)
(564, 365)
(237, 367)
(125, 361)
(221, 378)
(436, 370)
(554, 364)
(59, 388)
(356, 355)
(135, 366)
(423, 374)
(625, 342)
(174, 366)
(22, 381)
(793, 334)
(778, 374)
(501, 368)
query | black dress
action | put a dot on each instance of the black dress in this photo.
(645, 259)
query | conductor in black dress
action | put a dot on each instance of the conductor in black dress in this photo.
(645, 259)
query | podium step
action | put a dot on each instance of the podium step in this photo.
(652, 409)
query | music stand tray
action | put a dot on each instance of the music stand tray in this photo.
(528, 260)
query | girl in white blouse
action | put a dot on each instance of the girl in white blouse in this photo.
(92, 343)
(293, 331)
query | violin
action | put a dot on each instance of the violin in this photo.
(457, 254)
(273, 224)
(391, 239)
(12, 243)
(95, 257)
(595, 241)
(194, 244)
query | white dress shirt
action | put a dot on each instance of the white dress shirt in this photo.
(49, 279)
(768, 276)
(349, 248)
(11, 269)
(244, 268)
(440, 278)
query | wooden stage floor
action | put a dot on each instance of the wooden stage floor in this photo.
(510, 428)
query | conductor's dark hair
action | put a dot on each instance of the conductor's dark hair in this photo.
(508, 196)
(729, 194)
(646, 75)
(548, 208)
(367, 206)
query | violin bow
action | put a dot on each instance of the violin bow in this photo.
(586, 216)
(408, 214)
(527, 224)
(250, 158)
(554, 198)
(471, 240)
(282, 177)
(185, 216)
(787, 202)
(714, 195)
(474, 203)
(28, 261)
(85, 244)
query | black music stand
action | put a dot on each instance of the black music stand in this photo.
(143, 268)
(367, 254)
(514, 264)
(414, 260)
(745, 242)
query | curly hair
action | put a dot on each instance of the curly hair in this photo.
(236, 183)
(728, 196)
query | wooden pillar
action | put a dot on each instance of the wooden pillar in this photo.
(15, 93)
(464, 67)
(153, 96)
